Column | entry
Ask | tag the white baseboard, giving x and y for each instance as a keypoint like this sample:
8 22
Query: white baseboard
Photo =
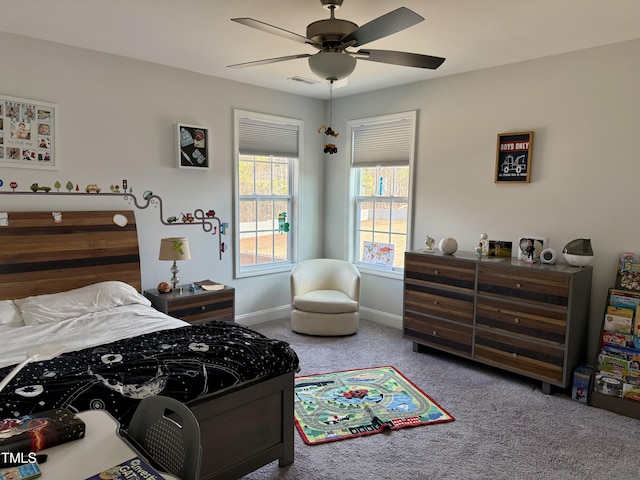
383 318
254 318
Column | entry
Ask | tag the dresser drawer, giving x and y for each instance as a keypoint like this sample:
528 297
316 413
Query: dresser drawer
440 271
452 305
200 306
530 285
525 320
536 360
441 334
203 308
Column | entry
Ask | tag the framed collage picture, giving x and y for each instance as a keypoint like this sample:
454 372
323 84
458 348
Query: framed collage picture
530 247
28 134
513 157
193 146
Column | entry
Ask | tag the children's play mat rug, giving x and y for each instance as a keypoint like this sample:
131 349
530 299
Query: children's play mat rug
352 403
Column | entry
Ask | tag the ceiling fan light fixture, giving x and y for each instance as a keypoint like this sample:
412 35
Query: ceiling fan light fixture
329 4
332 65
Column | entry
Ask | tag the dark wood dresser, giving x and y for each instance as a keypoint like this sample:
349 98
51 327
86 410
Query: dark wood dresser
531 319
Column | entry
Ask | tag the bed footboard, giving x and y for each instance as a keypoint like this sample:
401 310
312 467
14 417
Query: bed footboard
246 427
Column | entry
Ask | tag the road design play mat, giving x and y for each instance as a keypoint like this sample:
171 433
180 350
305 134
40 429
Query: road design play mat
352 403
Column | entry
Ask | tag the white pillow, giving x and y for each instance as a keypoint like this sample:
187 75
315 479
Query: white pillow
56 307
10 315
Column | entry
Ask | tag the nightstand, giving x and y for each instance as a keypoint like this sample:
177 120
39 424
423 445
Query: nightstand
197 307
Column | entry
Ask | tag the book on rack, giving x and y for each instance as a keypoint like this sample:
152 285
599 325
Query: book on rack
613 366
32 433
133 469
628 276
618 319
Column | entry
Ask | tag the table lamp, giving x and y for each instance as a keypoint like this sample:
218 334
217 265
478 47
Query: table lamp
174 248
46 351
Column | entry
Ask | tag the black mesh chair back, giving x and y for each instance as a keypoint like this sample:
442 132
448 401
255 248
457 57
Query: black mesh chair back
168 433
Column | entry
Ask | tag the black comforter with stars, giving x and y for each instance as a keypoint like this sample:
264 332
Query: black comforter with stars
184 363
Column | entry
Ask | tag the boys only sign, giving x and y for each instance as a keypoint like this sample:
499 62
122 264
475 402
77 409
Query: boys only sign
513 157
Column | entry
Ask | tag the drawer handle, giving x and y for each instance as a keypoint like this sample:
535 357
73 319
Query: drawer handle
437 272
518 285
514 354
516 320
203 307
435 333
435 302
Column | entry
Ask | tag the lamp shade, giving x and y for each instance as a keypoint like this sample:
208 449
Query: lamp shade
174 248
332 65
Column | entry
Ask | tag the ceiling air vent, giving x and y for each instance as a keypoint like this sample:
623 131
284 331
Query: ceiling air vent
306 81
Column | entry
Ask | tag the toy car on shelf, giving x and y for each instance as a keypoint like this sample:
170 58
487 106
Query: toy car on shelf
92 187
35 188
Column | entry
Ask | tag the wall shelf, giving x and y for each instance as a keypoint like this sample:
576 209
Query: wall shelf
209 222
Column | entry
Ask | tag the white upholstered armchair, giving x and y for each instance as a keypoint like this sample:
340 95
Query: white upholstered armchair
325 297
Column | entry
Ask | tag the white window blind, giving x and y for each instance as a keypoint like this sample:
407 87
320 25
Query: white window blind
385 144
264 139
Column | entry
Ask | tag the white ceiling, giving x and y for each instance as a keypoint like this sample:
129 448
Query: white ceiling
198 35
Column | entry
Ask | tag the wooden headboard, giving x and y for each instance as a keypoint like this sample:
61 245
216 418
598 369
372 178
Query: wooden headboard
39 255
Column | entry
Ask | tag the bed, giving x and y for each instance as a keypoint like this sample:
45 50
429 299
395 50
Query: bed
238 383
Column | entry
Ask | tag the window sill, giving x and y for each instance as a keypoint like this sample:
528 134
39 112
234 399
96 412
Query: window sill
380 272
264 270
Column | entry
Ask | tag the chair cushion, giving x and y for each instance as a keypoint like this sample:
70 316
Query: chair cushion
324 324
325 301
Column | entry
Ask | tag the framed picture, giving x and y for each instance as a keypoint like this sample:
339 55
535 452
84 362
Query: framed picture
513 157
530 246
193 146
500 248
28 134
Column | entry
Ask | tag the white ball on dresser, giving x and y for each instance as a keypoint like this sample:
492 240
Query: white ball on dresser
448 245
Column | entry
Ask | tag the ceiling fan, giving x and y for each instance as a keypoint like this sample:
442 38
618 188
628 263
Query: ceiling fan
333 37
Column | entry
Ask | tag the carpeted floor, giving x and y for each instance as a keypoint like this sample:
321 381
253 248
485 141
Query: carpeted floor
505 427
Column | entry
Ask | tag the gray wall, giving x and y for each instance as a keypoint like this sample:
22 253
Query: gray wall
584 108
117 120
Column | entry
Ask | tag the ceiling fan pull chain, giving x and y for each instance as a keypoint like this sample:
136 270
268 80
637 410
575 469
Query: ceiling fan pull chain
330 102
330 148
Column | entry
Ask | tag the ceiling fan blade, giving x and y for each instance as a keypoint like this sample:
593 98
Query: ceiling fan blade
405 59
266 61
380 27
281 32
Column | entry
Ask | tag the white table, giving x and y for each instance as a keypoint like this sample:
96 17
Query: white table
100 449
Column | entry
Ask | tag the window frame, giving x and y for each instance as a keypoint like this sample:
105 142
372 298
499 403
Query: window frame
241 271
355 200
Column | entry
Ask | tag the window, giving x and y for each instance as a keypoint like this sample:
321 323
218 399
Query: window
381 171
265 169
